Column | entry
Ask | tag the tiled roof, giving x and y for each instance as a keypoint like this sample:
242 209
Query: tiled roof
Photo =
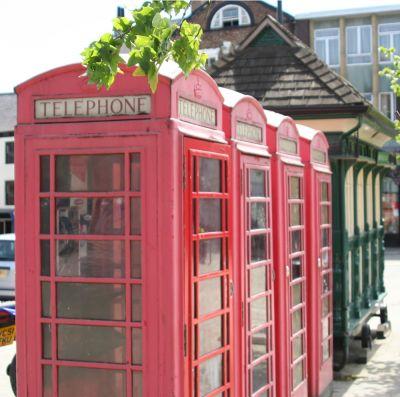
283 73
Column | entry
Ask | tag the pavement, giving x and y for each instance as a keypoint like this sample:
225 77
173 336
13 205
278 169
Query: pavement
379 378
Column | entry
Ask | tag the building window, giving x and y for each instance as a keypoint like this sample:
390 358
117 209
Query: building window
387 104
9 188
358 40
326 43
368 96
9 152
230 15
389 37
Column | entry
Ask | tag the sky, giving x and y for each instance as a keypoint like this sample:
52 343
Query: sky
39 35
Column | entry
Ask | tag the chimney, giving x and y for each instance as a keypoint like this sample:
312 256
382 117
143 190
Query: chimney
196 4
279 12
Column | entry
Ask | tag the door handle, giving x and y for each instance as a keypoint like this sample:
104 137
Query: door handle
287 271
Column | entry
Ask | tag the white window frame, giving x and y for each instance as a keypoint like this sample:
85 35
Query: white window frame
359 53
213 53
392 104
217 21
326 40
390 34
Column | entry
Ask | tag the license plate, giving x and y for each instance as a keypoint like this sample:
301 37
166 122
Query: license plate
7 335
4 273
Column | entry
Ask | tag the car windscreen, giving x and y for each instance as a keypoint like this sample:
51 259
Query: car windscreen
7 250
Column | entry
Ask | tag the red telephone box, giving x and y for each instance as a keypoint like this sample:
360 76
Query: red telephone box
314 151
124 230
289 247
245 122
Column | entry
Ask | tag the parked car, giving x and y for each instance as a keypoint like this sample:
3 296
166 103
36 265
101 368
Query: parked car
7 266
7 336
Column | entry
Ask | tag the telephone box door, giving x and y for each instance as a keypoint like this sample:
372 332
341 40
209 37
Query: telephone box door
208 270
90 301
325 280
296 282
257 277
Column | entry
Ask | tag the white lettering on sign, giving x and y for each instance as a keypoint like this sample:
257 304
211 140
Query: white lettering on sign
93 107
197 112
248 132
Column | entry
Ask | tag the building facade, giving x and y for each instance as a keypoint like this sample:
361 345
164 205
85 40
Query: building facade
348 41
8 119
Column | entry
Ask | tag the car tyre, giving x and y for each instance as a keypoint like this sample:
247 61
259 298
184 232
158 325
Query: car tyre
12 373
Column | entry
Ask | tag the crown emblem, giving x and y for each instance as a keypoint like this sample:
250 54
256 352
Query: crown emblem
198 90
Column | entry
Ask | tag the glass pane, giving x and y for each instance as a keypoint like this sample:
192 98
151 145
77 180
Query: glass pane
136 216
320 49
258 248
210 215
210 375
351 39
137 384
91 301
297 346
325 258
85 258
137 346
136 259
45 299
296 241
384 41
325 237
258 216
46 341
135 172
324 191
396 43
325 327
136 303
44 173
210 175
365 39
259 343
90 173
297 296
325 307
333 51
325 283
324 214
210 256
44 216
90 216
45 257
325 349
91 343
210 296
47 381
298 374
297 321
258 312
297 271
258 280
260 376
295 214
257 183
295 190
76 381
210 334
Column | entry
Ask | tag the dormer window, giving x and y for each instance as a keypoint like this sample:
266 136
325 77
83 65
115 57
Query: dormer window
230 15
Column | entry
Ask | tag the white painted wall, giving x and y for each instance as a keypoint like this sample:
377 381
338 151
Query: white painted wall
6 172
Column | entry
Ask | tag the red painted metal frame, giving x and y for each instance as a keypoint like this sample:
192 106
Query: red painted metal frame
194 150
284 164
317 173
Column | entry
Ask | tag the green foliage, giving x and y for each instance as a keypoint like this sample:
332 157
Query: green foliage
393 74
151 37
